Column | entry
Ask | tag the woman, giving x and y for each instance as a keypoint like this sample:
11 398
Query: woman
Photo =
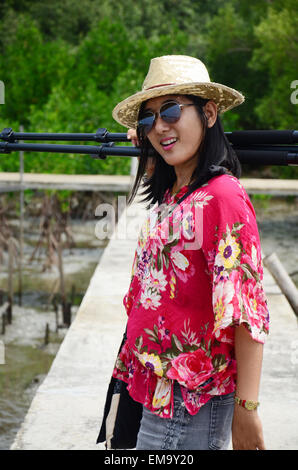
197 313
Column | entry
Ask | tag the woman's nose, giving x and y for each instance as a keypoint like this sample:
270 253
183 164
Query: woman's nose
161 125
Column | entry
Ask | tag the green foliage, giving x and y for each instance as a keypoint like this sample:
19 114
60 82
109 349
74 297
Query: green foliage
66 65
29 68
103 69
233 53
277 56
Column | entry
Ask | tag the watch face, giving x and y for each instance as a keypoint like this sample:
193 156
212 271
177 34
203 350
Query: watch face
250 405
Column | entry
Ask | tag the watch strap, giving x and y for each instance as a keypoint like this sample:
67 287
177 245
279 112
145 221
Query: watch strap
247 404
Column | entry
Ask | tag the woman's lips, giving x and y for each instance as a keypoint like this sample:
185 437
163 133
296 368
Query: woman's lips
168 144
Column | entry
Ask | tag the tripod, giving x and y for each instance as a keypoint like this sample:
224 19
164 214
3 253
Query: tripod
265 147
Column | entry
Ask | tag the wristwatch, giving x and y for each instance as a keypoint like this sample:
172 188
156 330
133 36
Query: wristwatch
247 404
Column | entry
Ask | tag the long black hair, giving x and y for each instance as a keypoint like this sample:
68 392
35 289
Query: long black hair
216 157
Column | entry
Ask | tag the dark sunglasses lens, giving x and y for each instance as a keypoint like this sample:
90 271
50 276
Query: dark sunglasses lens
170 112
145 123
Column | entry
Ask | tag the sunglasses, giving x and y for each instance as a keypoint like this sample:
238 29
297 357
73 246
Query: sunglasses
169 112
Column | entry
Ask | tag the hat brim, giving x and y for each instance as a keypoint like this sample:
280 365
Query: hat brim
126 112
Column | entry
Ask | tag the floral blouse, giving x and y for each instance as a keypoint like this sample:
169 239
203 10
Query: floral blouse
197 273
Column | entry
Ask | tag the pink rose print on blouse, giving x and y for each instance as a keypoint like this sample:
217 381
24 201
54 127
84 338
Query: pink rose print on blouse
192 370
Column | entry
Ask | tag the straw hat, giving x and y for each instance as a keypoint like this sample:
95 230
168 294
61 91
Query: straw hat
176 75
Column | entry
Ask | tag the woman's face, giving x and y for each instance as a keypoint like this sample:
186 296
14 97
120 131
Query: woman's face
178 142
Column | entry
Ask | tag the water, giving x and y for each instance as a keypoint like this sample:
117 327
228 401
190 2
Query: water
27 358
25 368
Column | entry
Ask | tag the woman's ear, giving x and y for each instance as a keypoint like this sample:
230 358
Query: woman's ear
210 110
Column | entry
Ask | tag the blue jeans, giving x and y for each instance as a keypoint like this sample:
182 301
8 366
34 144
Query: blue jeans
210 428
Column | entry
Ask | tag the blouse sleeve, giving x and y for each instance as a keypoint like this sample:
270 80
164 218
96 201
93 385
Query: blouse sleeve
232 250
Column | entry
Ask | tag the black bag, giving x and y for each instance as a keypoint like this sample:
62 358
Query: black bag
122 416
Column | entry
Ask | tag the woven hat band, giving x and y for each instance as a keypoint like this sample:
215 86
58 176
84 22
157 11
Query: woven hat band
157 86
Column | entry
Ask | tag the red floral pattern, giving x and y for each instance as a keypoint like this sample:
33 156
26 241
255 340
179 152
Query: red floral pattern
197 274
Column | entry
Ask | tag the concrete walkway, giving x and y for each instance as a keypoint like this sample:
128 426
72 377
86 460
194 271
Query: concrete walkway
66 411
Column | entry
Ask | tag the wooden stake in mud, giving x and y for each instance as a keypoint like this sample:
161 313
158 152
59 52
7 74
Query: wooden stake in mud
61 273
3 323
47 335
21 236
10 279
3 313
53 225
